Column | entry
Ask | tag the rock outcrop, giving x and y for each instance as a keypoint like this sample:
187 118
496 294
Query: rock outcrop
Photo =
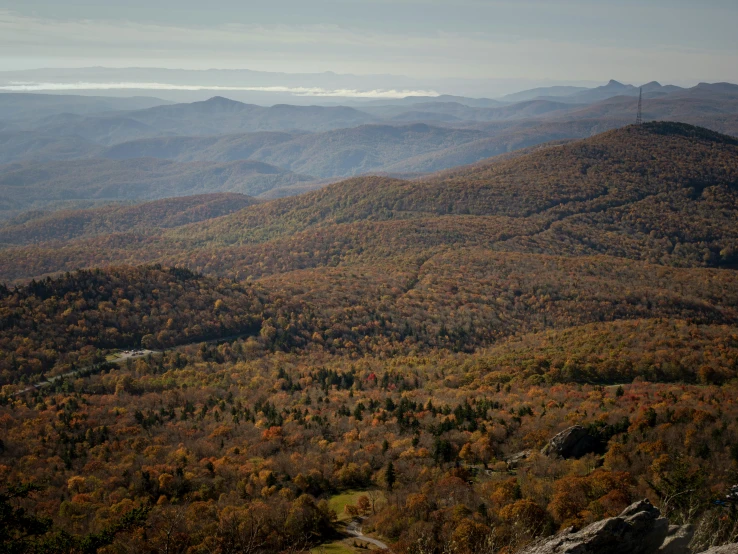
639 529
727 549
516 459
677 539
573 442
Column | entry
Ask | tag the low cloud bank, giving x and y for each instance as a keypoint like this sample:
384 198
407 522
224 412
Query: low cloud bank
296 91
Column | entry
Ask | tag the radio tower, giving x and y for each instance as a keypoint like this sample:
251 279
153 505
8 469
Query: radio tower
639 117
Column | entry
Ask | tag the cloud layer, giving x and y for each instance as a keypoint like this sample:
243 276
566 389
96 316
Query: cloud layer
296 91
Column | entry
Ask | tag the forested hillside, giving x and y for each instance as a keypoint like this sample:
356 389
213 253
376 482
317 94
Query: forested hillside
382 354
627 224
159 214
335 153
662 193
33 185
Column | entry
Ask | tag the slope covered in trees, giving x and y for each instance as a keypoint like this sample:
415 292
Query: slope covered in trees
455 261
222 445
336 153
60 324
411 345
663 193
33 185
159 214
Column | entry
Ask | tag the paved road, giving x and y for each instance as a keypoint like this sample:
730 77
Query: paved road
127 355
133 354
354 529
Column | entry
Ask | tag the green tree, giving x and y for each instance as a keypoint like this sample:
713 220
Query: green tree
17 526
22 532
389 476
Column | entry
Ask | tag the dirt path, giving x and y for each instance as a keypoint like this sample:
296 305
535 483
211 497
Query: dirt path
354 529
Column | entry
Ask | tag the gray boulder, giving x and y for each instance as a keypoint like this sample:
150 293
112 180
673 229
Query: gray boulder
639 529
516 459
573 442
677 539
726 549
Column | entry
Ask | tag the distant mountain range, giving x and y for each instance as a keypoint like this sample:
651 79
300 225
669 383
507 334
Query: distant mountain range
255 87
342 152
19 107
110 149
216 116
542 92
582 95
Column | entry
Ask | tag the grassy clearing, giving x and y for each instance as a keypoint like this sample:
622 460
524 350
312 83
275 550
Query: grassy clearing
344 547
337 547
339 502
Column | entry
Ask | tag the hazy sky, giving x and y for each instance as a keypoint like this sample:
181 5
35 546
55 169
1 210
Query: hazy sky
679 41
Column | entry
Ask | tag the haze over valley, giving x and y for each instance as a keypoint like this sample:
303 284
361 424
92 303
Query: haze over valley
309 146
418 277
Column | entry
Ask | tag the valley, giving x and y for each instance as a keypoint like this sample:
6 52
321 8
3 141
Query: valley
308 146
384 358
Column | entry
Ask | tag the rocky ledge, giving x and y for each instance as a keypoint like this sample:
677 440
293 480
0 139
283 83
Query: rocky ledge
639 529
573 442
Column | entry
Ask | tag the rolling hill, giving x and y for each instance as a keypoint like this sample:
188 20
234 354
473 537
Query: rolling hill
438 327
100 129
28 185
159 214
339 153
662 193
218 148
216 116
24 106
17 145
614 169
362 149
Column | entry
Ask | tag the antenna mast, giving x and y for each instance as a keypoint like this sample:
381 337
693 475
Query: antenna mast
639 117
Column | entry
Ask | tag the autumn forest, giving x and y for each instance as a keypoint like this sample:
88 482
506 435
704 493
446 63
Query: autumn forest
385 363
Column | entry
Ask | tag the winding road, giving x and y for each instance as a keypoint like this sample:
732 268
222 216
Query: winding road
353 528
126 355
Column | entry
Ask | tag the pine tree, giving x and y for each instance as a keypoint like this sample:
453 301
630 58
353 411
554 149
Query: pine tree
389 476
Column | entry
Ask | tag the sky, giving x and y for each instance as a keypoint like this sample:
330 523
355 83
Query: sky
674 41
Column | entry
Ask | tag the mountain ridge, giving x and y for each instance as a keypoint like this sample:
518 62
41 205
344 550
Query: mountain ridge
159 214
31 185
558 200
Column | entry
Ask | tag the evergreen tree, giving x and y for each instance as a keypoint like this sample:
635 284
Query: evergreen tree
389 476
